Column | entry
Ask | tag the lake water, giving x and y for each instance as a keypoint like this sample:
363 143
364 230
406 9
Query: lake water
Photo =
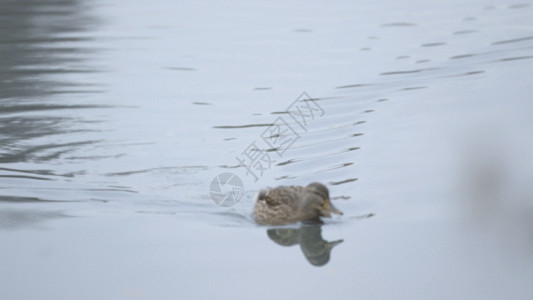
115 118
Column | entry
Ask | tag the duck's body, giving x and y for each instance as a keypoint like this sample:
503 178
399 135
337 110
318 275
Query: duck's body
290 204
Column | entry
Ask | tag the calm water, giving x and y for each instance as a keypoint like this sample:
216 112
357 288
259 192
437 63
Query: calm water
115 118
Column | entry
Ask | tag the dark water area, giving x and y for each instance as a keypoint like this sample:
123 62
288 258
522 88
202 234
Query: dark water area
115 118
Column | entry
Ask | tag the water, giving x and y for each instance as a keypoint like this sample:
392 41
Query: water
115 118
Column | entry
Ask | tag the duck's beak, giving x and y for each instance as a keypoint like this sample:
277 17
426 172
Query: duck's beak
328 208
333 209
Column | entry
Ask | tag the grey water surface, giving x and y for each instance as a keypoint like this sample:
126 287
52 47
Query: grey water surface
116 116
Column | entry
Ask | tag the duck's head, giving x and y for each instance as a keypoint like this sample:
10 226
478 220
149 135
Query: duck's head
317 200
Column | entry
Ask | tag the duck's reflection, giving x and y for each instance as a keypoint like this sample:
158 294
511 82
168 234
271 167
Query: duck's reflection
314 247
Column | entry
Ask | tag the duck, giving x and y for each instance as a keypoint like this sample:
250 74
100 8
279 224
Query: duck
291 204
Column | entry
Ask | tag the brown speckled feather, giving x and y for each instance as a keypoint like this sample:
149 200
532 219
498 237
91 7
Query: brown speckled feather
279 205
284 195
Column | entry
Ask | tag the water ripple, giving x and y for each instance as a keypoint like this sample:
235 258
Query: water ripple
517 40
